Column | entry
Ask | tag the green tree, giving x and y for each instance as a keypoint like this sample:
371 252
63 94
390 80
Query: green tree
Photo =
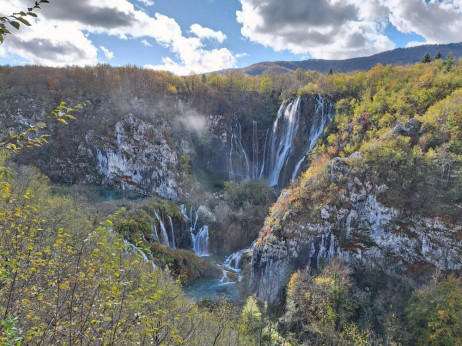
437 55
448 62
299 74
435 314
426 58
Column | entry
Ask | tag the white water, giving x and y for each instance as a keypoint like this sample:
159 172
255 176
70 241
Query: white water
254 149
239 167
172 232
232 264
286 144
282 140
201 241
135 250
163 231
200 236
323 115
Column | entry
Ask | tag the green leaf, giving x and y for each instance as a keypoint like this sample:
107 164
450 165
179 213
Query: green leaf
70 116
62 120
22 20
15 24
32 14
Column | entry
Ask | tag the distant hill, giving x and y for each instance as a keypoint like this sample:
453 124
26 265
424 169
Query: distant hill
400 56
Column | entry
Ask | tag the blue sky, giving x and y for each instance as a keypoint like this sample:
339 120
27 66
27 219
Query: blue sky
185 36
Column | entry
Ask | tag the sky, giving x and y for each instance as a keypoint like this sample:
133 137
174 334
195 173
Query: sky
198 36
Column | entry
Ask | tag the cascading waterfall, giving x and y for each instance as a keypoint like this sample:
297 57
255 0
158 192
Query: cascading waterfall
172 232
287 143
324 113
232 264
135 250
254 150
154 235
233 261
260 176
163 231
200 237
239 167
282 140
201 241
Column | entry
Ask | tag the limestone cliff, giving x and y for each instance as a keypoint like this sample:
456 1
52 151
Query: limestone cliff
356 227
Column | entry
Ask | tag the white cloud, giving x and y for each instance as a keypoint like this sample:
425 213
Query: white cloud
109 55
63 42
61 46
334 29
241 55
147 2
146 43
206 33
437 21
322 28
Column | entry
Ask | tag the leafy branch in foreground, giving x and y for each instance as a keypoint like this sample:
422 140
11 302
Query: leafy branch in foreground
29 137
16 18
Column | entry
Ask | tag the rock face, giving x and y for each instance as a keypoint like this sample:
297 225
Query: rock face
138 157
358 229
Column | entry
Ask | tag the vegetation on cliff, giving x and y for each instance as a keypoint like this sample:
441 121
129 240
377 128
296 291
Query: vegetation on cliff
405 123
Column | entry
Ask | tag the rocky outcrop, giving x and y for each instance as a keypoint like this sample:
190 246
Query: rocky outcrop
137 156
359 229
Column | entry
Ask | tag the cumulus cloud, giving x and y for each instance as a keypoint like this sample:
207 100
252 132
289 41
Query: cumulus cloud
334 29
191 51
61 46
206 33
64 42
437 21
146 2
107 53
322 28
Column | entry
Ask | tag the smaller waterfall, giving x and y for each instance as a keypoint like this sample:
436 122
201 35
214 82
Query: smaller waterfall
233 261
260 176
184 211
135 250
154 235
239 167
322 249
200 236
201 241
232 264
254 150
172 232
163 230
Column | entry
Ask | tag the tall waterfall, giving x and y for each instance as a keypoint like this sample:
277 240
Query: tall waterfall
282 141
286 143
199 236
323 114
